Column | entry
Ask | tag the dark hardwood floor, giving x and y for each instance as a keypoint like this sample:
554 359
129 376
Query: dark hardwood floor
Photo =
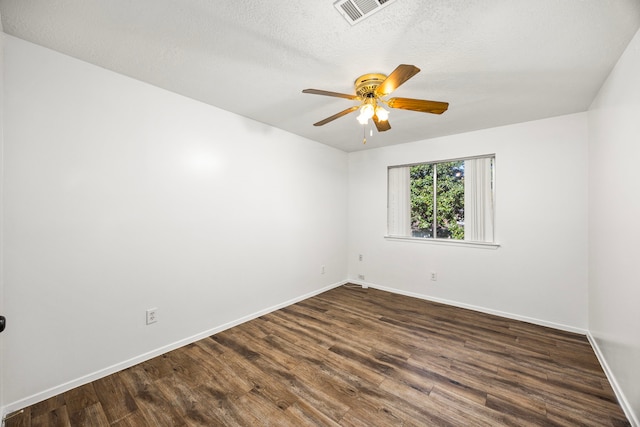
354 357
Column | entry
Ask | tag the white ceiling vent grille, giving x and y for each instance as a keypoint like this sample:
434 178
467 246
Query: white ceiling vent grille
355 11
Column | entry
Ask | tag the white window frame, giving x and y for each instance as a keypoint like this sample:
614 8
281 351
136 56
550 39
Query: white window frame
392 210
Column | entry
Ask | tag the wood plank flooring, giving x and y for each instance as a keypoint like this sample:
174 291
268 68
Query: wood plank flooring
354 357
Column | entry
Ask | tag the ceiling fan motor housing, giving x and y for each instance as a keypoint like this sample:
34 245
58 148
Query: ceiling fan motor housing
366 84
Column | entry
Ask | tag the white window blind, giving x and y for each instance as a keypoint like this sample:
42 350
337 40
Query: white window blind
399 202
478 200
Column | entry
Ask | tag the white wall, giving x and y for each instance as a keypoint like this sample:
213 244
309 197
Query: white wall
614 230
539 273
120 197
1 228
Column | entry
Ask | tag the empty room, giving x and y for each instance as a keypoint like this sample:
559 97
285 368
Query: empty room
323 213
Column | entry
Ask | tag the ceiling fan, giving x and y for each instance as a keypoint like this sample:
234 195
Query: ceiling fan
370 92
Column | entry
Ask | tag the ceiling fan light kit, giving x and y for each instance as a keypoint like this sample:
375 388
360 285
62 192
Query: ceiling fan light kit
370 91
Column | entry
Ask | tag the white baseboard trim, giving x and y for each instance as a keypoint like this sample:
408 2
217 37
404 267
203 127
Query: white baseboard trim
622 400
507 315
53 391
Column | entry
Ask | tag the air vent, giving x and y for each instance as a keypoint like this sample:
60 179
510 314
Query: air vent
355 11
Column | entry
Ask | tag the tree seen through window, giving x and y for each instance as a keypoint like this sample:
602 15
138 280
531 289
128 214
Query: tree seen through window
449 195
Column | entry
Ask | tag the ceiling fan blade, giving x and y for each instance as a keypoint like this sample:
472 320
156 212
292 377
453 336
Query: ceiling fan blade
422 105
327 93
401 74
337 116
381 125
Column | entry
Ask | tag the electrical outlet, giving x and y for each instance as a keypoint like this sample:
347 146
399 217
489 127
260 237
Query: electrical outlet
152 315
360 257
434 276
322 269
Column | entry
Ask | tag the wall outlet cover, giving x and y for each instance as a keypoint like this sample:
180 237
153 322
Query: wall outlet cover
152 315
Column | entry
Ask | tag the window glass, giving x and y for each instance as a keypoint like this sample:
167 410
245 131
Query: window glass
421 182
446 200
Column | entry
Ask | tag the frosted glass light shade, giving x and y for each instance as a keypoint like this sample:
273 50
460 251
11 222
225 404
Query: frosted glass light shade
367 111
362 119
382 114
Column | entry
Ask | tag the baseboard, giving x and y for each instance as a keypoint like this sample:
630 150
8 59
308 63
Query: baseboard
622 400
504 314
46 394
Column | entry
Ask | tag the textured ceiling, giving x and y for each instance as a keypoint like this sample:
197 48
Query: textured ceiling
496 62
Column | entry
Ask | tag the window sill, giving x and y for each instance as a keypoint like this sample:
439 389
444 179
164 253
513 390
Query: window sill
446 242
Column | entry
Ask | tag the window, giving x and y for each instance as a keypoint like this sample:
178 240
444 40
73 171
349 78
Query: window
451 200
